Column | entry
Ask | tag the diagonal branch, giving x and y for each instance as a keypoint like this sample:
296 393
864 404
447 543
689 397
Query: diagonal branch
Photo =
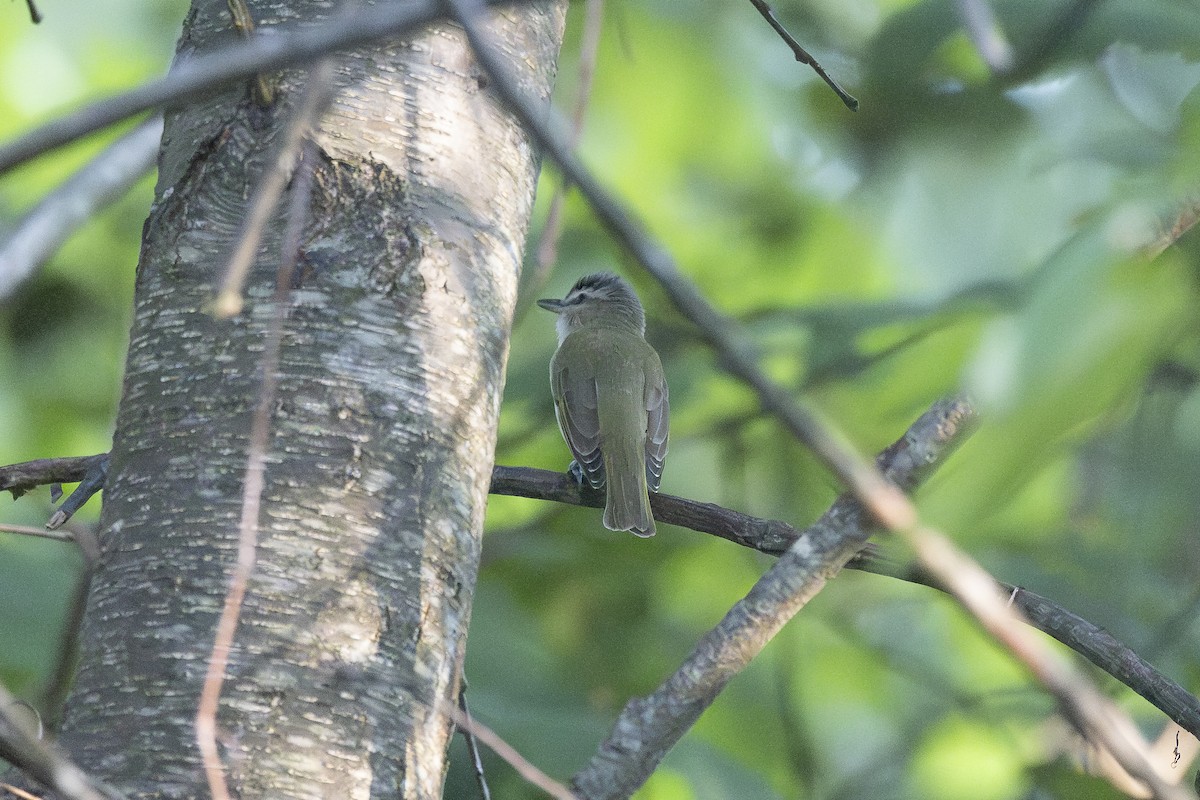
1081 703
44 762
773 537
734 353
469 725
189 79
63 210
649 727
802 55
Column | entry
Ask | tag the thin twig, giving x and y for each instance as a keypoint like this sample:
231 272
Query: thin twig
1081 703
1084 637
319 91
254 480
34 15
63 210
42 761
1185 216
18 792
62 671
25 530
507 752
473 745
802 55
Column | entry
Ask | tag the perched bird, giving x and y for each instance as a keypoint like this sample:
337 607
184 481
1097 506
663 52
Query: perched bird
610 397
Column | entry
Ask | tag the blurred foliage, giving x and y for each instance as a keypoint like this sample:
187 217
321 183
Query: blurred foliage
963 229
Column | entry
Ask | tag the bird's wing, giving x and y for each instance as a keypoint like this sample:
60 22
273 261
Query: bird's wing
576 407
658 423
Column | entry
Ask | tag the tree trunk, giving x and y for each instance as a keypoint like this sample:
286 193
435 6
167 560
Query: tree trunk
382 435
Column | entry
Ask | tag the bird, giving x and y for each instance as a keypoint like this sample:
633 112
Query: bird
610 397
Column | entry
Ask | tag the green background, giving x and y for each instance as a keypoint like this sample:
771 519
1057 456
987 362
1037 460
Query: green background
960 230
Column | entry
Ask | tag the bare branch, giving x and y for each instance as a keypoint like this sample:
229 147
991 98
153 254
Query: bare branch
283 48
1079 701
16 792
802 55
649 727
44 762
507 752
37 533
61 212
1086 638
1185 216
20 478
473 745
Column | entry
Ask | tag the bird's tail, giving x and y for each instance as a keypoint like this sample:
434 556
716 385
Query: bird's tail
628 505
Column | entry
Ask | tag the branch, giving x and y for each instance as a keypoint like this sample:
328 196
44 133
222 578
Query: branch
284 47
20 478
43 762
773 537
649 727
802 55
1086 638
473 745
52 221
522 765
1185 216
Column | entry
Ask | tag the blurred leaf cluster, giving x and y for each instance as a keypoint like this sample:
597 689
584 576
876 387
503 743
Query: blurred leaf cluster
964 229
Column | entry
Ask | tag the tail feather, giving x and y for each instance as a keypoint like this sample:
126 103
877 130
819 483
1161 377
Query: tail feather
628 504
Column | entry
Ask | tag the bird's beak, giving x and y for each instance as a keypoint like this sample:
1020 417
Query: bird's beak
551 305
